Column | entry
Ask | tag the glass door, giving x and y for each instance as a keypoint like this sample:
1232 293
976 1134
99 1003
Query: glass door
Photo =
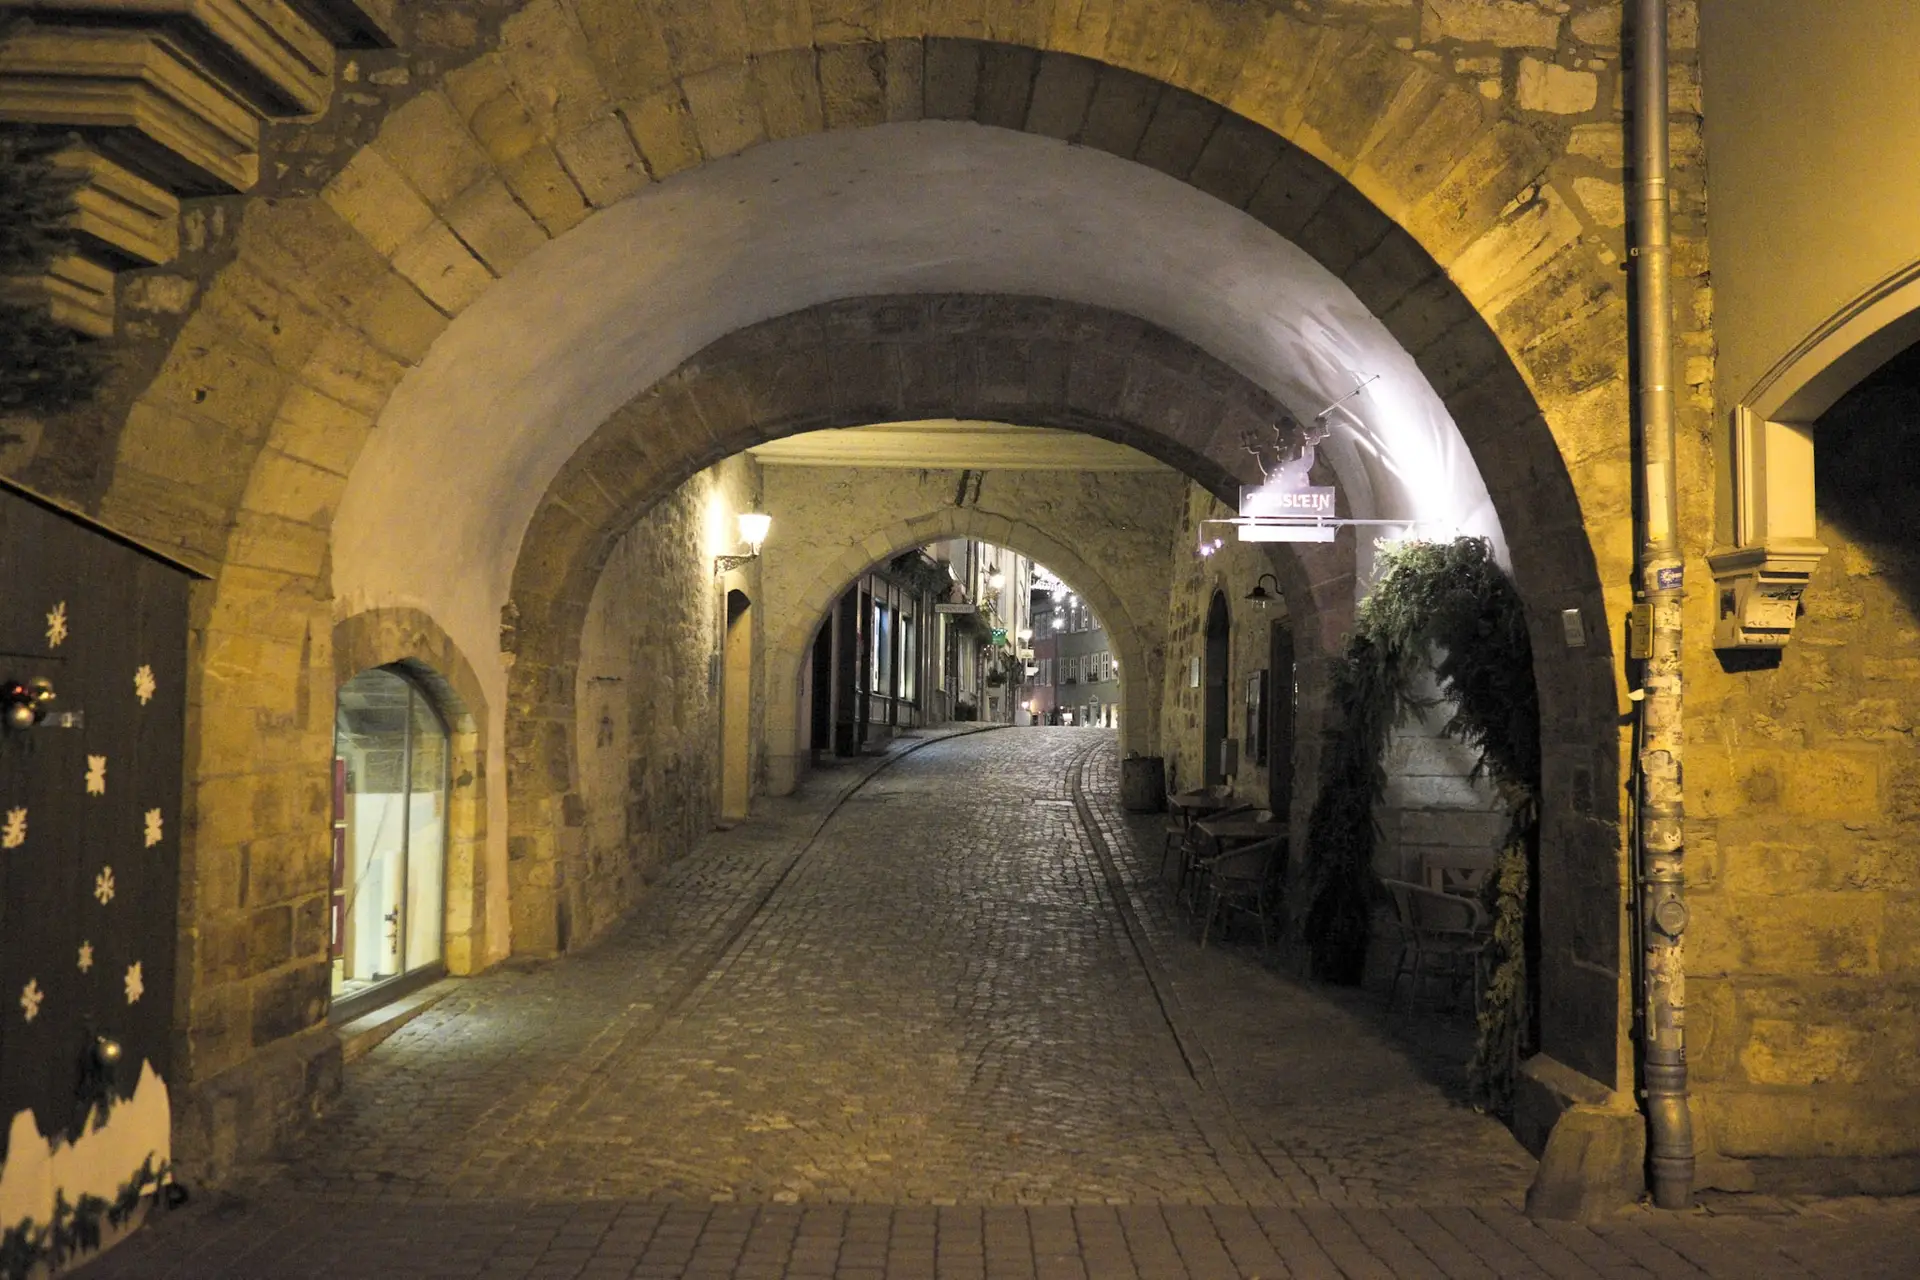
391 758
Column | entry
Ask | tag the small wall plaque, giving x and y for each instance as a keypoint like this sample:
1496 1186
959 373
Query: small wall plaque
1574 628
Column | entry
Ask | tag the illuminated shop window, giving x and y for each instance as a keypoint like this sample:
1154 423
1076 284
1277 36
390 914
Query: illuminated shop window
390 782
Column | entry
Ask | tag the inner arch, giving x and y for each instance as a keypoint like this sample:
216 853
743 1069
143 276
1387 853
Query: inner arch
789 646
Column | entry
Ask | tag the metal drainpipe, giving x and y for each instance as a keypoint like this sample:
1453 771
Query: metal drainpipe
1662 896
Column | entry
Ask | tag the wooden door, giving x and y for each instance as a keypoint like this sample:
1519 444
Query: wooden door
89 819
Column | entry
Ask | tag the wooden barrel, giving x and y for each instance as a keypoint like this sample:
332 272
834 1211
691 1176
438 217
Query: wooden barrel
1143 784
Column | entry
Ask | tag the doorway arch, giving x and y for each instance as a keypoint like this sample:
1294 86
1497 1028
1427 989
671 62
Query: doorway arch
1214 704
736 706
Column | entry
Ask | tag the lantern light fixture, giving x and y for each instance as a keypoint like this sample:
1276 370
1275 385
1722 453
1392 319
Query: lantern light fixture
1260 597
753 526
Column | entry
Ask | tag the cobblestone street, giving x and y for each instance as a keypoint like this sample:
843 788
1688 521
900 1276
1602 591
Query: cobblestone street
940 1023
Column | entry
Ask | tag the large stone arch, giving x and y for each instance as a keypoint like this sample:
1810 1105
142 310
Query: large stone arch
1321 129
1031 361
1133 638
1454 220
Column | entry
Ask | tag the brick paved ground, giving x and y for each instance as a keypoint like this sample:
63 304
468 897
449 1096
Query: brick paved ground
950 1027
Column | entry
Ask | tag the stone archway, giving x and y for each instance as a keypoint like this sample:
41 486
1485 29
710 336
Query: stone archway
1029 360
1136 641
736 706
1486 267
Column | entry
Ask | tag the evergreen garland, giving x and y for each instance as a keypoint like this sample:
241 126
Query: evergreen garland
28 1247
45 367
1448 606
924 575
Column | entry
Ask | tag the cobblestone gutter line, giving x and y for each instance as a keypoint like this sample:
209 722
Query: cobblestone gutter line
1123 903
1212 1108
707 958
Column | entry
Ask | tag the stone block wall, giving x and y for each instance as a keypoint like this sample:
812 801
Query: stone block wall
1803 872
1233 570
648 699
1433 804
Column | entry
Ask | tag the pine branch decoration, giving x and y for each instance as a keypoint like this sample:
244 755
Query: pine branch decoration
45 367
1448 606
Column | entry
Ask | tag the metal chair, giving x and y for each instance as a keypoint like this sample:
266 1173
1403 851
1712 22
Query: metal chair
1196 851
1180 818
1247 881
1179 828
1439 932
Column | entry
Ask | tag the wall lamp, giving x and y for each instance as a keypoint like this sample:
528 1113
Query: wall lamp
1260 597
753 531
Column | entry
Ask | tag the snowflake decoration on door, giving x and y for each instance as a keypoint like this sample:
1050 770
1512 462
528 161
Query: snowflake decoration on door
96 775
86 956
136 984
153 827
14 833
57 625
143 685
103 886
30 997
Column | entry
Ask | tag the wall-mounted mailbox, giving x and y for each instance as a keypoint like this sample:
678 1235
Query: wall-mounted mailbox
1760 576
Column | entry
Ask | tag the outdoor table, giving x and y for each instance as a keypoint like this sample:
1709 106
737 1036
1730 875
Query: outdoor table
1188 804
1184 809
1238 829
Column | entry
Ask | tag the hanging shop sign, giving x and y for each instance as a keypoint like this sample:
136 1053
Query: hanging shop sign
1286 506
956 608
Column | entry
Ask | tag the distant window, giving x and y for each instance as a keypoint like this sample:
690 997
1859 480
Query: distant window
909 657
882 648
